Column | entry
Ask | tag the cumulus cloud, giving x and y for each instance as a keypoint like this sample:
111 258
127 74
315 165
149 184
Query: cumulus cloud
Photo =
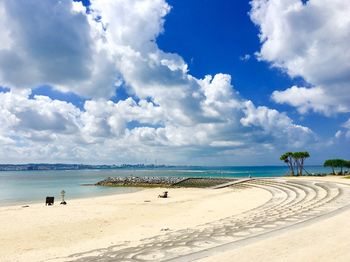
310 40
342 135
33 126
274 123
307 99
169 115
346 125
58 47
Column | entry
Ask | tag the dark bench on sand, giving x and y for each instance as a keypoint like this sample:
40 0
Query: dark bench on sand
49 201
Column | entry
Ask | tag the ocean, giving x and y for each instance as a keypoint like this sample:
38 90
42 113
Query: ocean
24 187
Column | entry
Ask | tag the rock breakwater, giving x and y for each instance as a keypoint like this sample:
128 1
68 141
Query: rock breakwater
156 181
135 181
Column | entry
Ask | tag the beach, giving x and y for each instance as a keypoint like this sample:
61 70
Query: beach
322 240
174 131
87 228
39 232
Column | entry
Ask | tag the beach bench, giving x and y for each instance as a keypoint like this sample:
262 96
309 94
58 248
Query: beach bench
49 201
164 195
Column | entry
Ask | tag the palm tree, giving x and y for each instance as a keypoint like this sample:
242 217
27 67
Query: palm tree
347 165
299 158
340 163
295 160
330 163
288 159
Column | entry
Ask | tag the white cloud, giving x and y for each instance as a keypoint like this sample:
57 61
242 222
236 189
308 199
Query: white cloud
306 99
224 143
40 113
58 47
338 134
245 57
274 123
309 40
131 23
341 137
346 125
171 115
37 126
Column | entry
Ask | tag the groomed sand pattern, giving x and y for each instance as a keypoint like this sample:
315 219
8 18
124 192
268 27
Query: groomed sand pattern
291 203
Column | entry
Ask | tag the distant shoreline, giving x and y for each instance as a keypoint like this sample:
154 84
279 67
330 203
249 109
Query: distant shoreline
63 166
45 167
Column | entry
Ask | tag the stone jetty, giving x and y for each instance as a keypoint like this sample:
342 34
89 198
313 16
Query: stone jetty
156 181
135 181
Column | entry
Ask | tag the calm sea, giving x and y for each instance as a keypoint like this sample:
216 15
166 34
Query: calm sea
23 187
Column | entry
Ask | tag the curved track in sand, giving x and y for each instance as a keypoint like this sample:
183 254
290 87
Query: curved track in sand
291 203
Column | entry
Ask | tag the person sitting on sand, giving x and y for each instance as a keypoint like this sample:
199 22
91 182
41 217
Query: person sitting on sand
165 195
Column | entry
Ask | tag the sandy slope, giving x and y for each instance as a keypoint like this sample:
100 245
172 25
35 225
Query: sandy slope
40 233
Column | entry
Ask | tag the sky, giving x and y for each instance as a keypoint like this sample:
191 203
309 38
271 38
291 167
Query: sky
198 82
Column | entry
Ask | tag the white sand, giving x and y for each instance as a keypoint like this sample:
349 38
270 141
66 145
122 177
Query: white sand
40 233
325 240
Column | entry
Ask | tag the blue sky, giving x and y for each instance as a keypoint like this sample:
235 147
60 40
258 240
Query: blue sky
213 37
184 81
232 35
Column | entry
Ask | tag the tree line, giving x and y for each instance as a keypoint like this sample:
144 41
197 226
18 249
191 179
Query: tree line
337 163
296 160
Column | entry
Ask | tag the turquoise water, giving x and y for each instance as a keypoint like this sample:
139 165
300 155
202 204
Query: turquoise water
23 187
